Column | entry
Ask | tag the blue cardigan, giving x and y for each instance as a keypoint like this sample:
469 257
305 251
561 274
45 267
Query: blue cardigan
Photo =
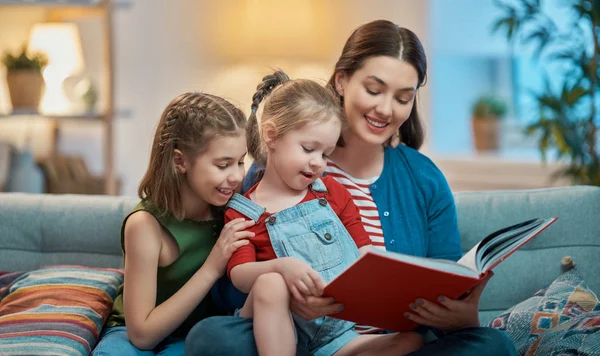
415 204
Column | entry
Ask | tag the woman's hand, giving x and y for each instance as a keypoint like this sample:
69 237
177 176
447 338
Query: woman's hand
300 278
452 314
232 237
315 307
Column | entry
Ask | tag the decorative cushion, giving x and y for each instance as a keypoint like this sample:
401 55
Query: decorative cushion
55 310
579 336
568 297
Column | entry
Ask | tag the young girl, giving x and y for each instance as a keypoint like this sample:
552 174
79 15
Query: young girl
172 254
307 229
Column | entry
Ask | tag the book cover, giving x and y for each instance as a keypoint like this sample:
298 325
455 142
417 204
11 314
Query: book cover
377 289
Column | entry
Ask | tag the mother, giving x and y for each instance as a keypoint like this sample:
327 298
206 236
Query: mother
405 201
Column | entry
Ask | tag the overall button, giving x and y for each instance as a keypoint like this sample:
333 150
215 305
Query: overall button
386 213
374 186
271 220
323 202
392 242
327 236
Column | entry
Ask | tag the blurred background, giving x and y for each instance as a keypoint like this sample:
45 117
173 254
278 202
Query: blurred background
110 68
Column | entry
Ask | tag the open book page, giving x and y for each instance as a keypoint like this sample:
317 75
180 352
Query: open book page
469 259
489 245
431 263
501 251
501 243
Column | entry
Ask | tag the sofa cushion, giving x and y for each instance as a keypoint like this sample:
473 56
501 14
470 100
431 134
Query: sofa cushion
579 336
567 298
55 310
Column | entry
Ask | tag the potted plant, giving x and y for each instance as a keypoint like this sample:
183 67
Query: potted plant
566 118
487 112
24 78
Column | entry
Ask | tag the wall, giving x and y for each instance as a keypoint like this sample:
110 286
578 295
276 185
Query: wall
165 50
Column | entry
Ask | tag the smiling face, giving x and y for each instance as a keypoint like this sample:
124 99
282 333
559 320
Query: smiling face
300 156
378 97
214 174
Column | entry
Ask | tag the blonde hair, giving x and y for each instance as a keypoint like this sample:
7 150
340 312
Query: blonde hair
289 105
188 123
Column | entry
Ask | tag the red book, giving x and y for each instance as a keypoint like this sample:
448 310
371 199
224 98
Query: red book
378 287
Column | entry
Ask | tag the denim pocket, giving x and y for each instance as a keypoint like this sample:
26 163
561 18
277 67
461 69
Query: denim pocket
322 248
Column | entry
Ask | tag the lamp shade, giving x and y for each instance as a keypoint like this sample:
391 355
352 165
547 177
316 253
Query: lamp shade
61 43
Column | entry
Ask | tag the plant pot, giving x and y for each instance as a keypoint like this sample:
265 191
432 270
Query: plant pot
486 134
25 88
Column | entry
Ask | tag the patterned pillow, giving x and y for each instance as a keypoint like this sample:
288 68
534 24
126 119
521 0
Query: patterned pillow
566 298
55 310
579 336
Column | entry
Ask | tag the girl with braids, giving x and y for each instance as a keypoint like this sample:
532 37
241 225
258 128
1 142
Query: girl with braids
307 230
174 241
404 199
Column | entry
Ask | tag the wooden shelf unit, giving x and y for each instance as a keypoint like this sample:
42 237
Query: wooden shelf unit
65 10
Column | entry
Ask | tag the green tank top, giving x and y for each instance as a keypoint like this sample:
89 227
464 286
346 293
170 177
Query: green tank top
195 239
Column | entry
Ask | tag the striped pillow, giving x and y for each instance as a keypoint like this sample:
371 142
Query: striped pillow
55 310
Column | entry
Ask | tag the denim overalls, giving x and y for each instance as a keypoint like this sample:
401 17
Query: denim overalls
313 233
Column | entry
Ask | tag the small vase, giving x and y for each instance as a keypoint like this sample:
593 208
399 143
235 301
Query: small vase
486 134
25 88
25 175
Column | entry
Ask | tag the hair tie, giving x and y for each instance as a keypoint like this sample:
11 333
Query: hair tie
253 111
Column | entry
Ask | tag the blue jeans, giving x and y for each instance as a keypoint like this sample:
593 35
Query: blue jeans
230 335
114 341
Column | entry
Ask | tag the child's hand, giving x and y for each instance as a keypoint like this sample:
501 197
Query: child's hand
232 237
315 307
301 279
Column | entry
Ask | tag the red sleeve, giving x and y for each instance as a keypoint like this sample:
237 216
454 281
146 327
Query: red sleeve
244 254
341 201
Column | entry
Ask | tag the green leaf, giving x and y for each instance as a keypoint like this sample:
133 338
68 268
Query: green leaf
509 24
543 144
559 139
550 102
540 35
25 61
572 96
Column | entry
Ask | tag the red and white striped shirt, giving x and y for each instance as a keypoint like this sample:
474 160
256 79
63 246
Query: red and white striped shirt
361 195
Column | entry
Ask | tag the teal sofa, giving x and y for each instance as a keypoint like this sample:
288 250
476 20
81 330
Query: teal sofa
40 230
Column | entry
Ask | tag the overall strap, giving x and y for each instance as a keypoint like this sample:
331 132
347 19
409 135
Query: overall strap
318 186
245 206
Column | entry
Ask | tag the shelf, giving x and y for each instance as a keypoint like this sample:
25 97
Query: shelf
87 3
93 116
78 7
83 117
68 10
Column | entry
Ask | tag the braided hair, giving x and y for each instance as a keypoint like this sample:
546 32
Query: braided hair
188 124
288 105
269 82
